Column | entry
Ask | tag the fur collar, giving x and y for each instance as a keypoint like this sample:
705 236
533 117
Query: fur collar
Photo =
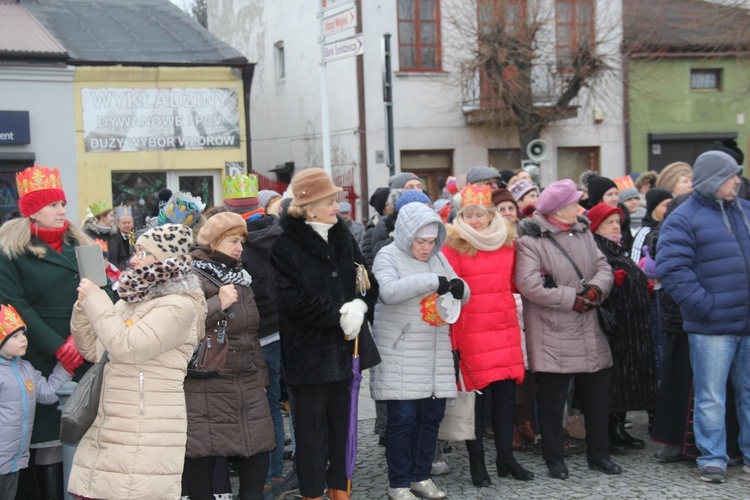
297 229
536 229
182 284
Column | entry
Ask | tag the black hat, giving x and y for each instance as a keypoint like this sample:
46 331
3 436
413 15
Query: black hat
164 197
729 146
505 177
597 187
379 199
654 196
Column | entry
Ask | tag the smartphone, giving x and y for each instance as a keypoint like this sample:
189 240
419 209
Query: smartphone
91 263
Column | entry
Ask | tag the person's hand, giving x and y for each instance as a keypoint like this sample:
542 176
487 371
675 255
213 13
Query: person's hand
582 305
444 286
86 288
227 296
620 275
352 317
457 288
592 293
68 355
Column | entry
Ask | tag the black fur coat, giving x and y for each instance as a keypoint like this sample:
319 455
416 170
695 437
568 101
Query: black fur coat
313 280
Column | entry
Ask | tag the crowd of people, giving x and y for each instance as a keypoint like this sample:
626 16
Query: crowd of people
562 308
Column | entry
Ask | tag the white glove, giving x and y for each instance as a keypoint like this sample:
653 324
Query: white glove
352 317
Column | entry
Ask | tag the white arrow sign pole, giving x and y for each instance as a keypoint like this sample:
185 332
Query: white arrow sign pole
326 133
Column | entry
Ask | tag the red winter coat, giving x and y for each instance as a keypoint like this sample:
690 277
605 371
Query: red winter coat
486 334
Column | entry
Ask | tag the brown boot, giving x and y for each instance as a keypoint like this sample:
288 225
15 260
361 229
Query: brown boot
337 494
519 443
527 430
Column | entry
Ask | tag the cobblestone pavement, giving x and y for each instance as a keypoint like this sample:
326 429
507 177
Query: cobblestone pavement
643 476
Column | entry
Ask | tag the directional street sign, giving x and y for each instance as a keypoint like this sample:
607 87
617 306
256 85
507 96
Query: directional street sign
340 21
340 49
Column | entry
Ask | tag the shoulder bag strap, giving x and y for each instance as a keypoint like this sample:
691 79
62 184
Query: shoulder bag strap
565 254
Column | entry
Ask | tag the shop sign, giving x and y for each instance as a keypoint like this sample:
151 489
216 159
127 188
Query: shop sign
14 127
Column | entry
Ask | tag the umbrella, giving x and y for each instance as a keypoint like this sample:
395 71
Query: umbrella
351 440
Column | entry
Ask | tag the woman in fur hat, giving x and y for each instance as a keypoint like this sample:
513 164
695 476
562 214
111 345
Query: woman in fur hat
38 277
228 414
320 316
487 335
136 446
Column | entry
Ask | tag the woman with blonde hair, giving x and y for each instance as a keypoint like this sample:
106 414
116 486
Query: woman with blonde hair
320 315
487 336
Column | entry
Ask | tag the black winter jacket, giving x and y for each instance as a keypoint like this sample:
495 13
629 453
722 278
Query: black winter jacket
256 257
313 280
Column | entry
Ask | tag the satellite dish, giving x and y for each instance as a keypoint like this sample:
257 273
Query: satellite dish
537 150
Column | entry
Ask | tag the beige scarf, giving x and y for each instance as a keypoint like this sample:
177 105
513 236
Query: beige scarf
489 240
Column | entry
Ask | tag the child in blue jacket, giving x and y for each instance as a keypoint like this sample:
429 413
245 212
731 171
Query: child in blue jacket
21 386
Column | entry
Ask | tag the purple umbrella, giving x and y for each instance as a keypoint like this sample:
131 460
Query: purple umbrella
351 440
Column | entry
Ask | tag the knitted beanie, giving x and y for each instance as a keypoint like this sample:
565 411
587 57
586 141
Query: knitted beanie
597 187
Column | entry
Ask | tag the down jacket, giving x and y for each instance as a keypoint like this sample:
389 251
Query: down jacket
703 261
313 280
21 387
228 415
559 339
486 335
136 447
417 361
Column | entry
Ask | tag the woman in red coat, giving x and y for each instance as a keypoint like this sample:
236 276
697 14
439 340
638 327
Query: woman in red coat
487 336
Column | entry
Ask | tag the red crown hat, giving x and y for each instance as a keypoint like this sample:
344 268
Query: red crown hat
476 195
103 244
38 186
10 322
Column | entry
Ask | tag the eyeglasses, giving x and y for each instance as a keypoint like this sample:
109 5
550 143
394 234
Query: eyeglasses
143 254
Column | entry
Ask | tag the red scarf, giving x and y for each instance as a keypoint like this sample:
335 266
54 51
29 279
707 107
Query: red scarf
52 237
559 224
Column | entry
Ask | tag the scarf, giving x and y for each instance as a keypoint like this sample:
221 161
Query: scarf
135 284
220 271
490 239
558 223
52 237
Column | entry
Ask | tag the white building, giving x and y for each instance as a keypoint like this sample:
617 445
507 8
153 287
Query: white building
432 107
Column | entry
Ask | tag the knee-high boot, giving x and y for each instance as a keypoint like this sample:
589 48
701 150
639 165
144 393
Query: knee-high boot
49 480
507 464
477 468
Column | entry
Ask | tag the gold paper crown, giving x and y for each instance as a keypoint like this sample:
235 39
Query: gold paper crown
476 195
124 211
37 178
10 321
240 186
100 207
103 244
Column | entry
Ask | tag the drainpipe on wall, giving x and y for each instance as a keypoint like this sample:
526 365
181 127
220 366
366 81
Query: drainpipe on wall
247 79
362 123
626 112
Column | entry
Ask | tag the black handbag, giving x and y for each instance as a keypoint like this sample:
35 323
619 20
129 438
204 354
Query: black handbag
607 320
210 354
82 406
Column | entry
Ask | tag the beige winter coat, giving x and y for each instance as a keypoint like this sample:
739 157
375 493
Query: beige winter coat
559 339
136 447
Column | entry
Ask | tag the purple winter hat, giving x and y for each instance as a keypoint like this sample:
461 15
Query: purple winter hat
557 195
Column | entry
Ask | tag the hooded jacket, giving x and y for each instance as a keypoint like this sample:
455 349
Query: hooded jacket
486 335
256 257
135 448
703 261
417 361
314 278
559 339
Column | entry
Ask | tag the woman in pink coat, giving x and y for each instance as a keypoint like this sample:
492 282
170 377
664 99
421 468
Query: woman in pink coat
487 336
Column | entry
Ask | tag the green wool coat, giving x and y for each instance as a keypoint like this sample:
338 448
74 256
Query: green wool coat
43 292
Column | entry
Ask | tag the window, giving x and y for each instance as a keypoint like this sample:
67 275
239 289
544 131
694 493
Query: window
432 167
505 159
509 13
574 29
572 162
419 35
279 61
705 79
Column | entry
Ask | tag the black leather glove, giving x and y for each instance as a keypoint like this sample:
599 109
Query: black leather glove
444 285
457 288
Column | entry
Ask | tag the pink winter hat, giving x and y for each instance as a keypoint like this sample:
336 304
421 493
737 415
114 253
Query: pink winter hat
557 195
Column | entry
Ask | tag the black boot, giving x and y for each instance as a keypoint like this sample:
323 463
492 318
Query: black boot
477 468
49 480
615 447
623 438
507 464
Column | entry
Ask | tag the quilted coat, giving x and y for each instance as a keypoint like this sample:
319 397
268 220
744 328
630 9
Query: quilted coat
486 335
228 415
703 261
136 447
417 361
314 278
559 339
